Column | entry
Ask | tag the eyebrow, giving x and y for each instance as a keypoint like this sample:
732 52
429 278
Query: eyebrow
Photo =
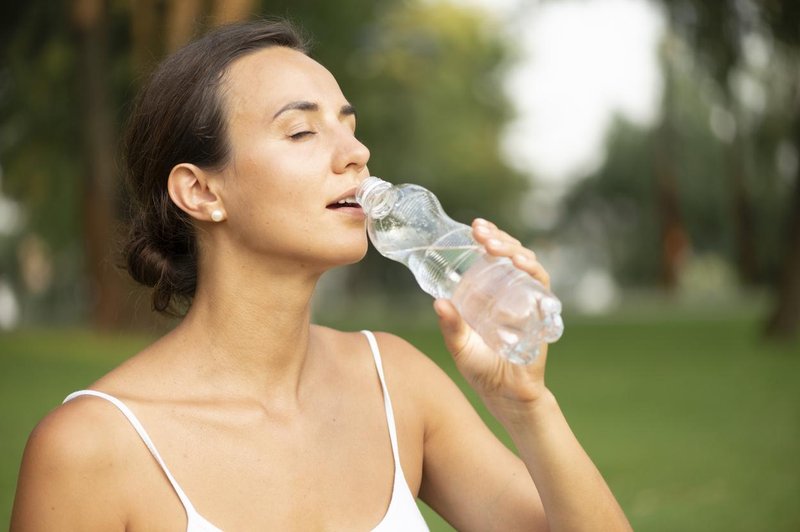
346 110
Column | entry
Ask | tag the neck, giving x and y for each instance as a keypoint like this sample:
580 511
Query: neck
251 329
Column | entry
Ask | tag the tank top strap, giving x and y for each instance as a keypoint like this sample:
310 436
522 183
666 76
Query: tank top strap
402 513
134 421
387 401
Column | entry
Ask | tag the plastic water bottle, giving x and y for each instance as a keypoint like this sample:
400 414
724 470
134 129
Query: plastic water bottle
508 308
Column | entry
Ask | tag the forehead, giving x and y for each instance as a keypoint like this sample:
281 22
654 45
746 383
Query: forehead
268 79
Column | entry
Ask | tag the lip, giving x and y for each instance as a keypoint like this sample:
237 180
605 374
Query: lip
356 213
350 193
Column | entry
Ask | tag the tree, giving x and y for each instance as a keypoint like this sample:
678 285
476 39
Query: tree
658 198
715 31
39 140
718 33
674 238
782 17
90 22
67 83
424 77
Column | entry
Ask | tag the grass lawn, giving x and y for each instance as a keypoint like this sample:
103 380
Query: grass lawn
694 423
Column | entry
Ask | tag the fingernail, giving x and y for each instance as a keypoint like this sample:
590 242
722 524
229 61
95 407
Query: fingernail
482 230
494 243
521 258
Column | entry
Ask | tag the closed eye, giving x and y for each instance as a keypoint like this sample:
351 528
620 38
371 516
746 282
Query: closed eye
301 135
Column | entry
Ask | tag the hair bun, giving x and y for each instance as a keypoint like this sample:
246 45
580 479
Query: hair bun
169 271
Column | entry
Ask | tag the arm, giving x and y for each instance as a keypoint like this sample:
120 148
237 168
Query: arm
65 478
565 485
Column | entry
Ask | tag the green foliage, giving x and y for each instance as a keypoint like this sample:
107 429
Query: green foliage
424 78
619 201
617 206
430 78
39 133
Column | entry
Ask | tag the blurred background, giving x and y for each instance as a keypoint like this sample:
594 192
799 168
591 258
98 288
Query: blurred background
648 150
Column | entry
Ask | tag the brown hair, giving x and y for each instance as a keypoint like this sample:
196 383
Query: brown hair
178 118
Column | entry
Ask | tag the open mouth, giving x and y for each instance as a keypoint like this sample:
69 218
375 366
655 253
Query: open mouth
344 203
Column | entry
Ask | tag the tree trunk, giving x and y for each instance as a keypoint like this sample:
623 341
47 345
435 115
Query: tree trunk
183 19
228 11
674 238
144 33
90 22
744 223
784 320
106 289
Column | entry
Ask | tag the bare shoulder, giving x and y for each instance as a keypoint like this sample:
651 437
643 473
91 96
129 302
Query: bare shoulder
395 351
73 434
401 356
413 374
70 467
407 370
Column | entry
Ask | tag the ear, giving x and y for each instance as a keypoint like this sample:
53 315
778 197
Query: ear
188 186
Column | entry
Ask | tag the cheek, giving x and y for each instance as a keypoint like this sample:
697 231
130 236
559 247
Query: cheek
275 187
277 168
256 178
274 203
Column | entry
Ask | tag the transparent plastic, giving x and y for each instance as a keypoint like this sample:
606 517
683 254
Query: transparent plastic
508 308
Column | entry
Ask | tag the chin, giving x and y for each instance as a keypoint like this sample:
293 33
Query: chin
349 253
356 256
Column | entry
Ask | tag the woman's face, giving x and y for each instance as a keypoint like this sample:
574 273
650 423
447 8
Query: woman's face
294 158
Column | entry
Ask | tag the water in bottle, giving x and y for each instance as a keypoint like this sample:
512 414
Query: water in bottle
508 308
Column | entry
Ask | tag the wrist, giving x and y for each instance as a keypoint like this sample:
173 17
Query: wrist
522 412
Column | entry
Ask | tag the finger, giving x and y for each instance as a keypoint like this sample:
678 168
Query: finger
501 248
454 329
523 258
528 263
481 230
483 222
501 244
484 230
508 239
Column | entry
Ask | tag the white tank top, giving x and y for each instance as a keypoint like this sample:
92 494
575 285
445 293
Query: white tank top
403 515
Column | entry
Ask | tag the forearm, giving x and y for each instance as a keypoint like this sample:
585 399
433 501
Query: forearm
574 494
572 491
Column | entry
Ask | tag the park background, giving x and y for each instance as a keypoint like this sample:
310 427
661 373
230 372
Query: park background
670 222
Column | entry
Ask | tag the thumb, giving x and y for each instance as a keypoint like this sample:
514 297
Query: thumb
455 330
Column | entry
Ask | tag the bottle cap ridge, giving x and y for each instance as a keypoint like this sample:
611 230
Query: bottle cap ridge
368 195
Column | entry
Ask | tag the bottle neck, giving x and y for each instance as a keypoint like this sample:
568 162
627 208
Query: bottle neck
376 197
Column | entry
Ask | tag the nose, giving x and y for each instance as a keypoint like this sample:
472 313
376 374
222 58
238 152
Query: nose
351 154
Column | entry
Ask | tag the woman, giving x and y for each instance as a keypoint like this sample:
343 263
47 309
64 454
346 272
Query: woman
240 152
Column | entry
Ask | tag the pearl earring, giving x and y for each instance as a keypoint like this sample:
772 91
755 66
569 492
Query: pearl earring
216 215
